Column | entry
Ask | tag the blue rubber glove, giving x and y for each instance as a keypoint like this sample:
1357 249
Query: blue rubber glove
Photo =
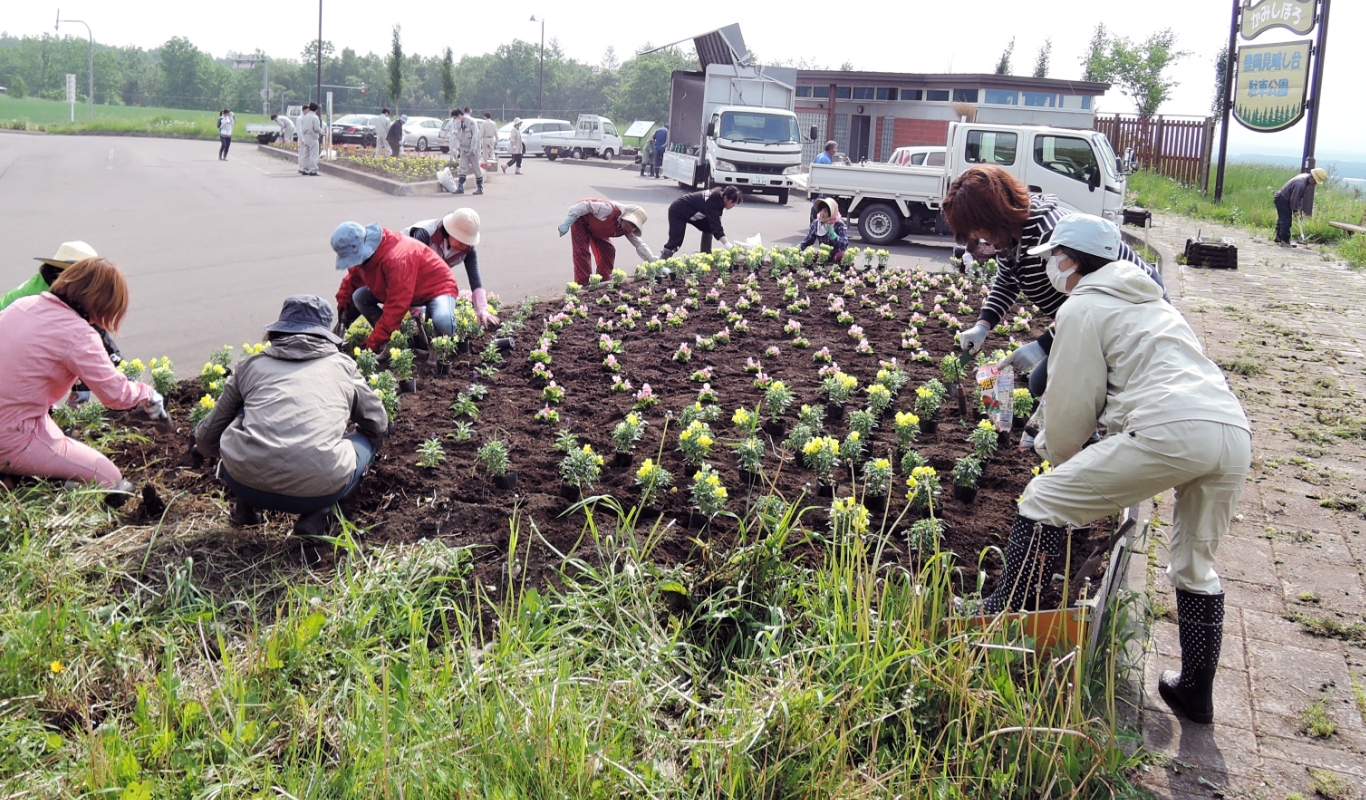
564 226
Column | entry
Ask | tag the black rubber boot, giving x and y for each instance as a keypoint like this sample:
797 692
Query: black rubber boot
479 186
459 187
1190 692
243 515
315 525
1033 553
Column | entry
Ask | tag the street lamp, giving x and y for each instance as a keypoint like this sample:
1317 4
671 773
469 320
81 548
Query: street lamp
540 89
91 69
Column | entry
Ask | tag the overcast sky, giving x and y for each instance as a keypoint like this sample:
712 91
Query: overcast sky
956 36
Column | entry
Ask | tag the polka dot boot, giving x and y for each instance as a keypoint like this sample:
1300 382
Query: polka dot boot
1033 553
1190 692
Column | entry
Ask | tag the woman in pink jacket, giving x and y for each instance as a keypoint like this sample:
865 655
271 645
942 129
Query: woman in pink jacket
46 345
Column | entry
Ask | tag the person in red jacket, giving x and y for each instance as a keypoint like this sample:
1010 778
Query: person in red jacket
593 222
388 274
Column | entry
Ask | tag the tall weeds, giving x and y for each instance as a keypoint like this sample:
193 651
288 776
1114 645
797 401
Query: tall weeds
744 674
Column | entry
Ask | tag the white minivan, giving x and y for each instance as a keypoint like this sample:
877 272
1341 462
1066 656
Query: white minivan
532 131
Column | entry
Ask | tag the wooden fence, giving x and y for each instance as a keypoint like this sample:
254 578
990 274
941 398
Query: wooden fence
1177 148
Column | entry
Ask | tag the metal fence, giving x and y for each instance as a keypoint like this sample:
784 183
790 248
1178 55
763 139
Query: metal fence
1179 148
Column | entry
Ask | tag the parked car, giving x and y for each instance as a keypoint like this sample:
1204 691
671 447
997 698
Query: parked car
423 134
354 129
532 131
918 156
592 136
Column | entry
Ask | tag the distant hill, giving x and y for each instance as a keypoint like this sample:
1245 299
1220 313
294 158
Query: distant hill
1343 169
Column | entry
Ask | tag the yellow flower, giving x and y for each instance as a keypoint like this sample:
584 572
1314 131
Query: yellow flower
56 667
647 469
219 370
986 425
704 440
905 419
921 391
742 417
853 436
881 463
632 418
356 351
588 448
1021 393
206 401
714 479
811 446
720 493
920 473
394 352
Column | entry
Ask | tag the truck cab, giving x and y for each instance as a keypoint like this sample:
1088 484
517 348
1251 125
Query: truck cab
1076 165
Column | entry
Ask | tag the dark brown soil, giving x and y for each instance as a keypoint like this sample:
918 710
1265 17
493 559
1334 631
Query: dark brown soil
457 502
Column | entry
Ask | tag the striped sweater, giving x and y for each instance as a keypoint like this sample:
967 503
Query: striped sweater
1020 272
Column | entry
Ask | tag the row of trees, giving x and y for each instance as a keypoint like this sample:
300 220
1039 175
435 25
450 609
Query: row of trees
179 75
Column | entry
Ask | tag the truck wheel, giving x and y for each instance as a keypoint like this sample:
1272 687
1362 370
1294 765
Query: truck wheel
607 154
879 224
576 154
551 155
687 187
782 197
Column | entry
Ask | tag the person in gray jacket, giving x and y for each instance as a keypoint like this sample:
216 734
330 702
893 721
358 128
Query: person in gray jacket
280 426
382 124
310 139
465 151
1290 201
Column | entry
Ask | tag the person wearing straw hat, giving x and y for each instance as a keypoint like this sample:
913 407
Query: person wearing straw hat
1294 199
592 223
388 274
279 428
1127 360
51 344
67 254
453 238
515 147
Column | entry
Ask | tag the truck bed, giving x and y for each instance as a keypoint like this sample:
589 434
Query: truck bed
889 181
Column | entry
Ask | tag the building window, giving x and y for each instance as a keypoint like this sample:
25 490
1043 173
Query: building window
1086 102
964 95
863 93
1002 98
1040 99
937 95
911 94
886 94
991 147
803 91
842 92
1074 101
821 92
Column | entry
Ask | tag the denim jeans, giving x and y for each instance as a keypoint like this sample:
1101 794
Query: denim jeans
440 309
256 498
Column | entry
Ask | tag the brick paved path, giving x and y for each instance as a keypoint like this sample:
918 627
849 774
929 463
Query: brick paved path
1289 328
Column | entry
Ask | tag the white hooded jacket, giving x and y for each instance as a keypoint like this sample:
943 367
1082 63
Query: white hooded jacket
1125 358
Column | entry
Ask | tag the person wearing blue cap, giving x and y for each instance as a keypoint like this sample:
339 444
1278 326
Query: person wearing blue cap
1127 360
387 275
279 429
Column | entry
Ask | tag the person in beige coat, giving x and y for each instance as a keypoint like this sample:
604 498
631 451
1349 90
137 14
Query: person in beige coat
280 426
488 139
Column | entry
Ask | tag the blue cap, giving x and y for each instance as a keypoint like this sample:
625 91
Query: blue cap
355 244
305 313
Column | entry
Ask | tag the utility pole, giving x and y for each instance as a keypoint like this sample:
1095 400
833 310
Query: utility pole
540 89
90 71
320 50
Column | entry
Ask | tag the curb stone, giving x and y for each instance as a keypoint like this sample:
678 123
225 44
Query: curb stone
397 188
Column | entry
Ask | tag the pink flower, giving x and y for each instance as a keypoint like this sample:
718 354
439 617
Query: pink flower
855 331
773 351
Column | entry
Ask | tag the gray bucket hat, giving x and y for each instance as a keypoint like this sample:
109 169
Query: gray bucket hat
354 244
305 313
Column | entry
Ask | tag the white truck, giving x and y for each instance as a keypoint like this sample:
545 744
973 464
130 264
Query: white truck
890 201
733 125
592 136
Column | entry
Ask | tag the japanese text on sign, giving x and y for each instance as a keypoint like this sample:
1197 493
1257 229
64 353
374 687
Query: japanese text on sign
1297 15
1271 85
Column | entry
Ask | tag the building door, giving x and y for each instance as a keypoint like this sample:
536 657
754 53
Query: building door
860 127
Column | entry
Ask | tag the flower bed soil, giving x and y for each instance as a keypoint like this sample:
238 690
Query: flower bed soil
458 503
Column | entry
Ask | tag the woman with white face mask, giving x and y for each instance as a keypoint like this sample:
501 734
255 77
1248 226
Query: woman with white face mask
993 216
1125 359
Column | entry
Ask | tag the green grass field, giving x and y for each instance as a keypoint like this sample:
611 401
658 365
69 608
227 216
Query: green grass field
31 113
1247 203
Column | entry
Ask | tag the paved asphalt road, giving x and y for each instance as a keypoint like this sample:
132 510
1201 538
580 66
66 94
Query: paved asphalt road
212 247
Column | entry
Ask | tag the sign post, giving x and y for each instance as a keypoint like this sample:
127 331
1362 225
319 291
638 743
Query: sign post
71 94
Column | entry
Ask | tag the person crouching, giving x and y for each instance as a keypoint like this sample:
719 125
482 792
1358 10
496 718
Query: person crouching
49 343
279 429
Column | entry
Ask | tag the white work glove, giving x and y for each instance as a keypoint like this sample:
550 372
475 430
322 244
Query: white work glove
1025 358
971 339
481 308
155 406
564 226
